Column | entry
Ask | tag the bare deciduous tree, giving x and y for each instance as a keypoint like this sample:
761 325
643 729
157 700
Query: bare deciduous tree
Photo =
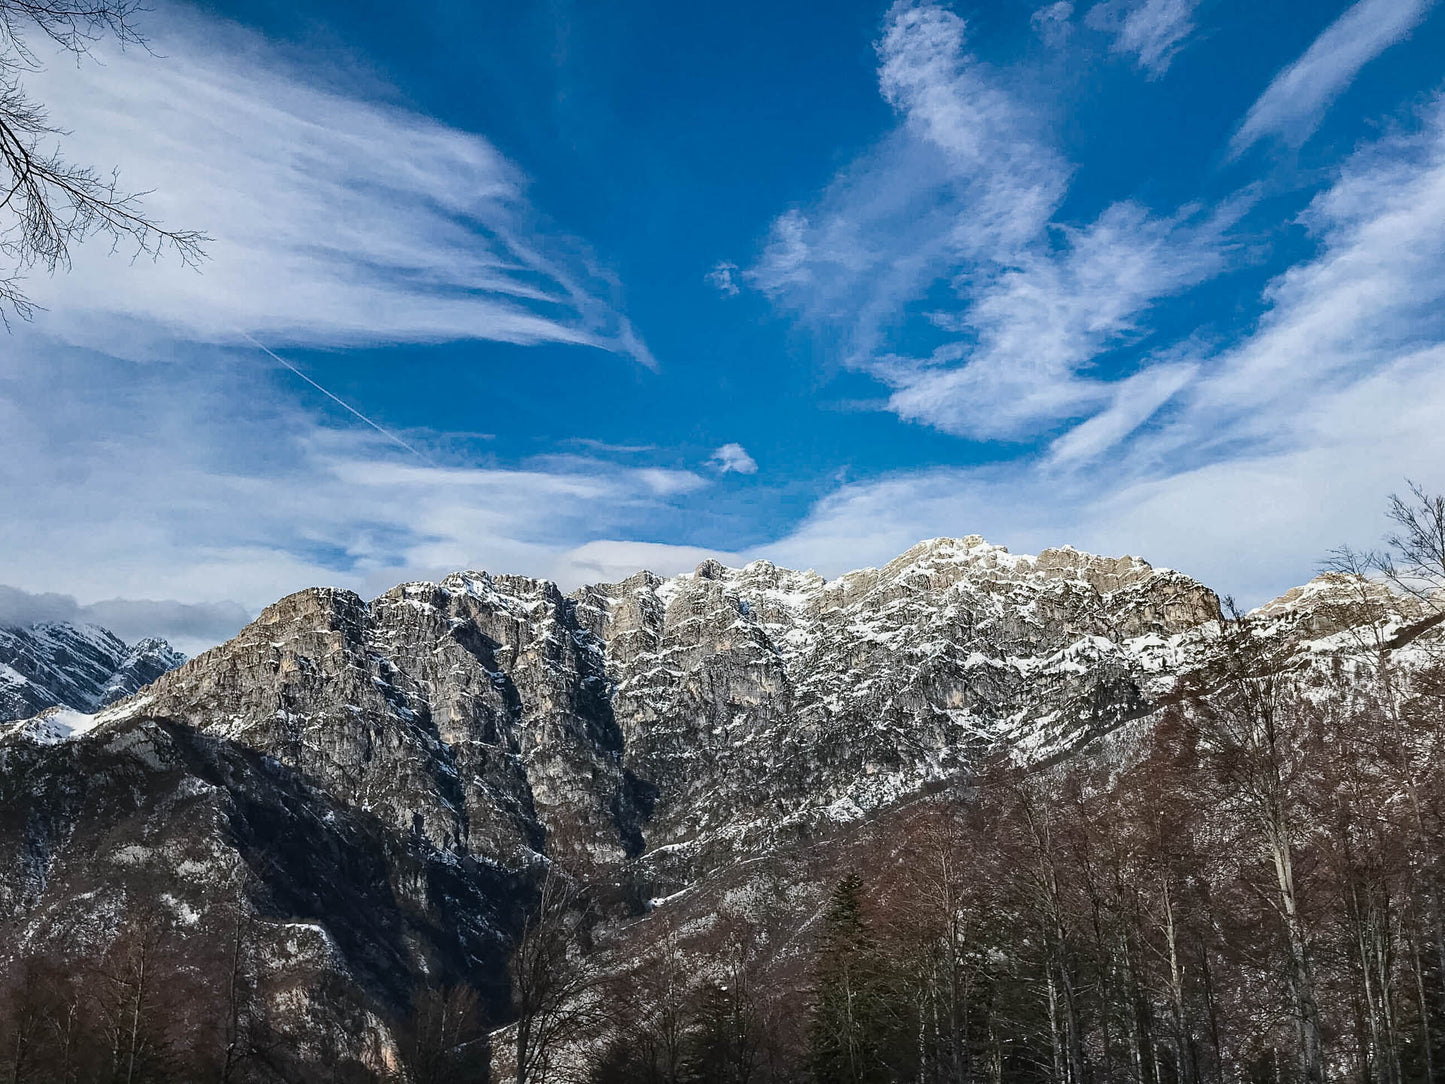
445 1039
551 977
1418 539
1250 723
48 203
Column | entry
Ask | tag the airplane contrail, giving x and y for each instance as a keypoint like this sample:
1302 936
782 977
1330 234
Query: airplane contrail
336 399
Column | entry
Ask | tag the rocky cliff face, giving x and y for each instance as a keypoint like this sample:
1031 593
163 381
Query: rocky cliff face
83 667
344 916
672 721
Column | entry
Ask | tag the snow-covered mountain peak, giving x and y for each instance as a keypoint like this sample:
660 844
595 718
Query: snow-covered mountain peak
76 666
411 756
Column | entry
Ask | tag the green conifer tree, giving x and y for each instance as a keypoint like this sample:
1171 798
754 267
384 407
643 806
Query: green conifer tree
848 1028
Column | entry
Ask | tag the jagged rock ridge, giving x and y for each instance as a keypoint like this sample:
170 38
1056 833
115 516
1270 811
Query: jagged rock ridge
412 756
675 720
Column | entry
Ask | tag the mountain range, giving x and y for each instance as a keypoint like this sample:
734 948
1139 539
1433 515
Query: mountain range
379 786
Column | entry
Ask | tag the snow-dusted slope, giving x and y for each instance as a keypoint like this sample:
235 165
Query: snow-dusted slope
761 697
83 667
678 720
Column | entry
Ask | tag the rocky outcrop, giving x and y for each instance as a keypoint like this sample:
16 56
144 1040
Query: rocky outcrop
346 914
377 785
667 723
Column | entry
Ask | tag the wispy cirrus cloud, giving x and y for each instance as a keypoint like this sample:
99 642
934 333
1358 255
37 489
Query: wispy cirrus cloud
955 210
1036 327
1267 450
201 479
1131 402
1252 524
336 219
948 261
1151 31
160 455
968 176
1052 22
1292 105
1374 291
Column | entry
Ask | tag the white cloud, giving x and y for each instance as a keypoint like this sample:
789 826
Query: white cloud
190 626
1037 326
594 445
733 457
335 219
1294 102
1237 463
1252 525
202 484
967 177
1134 401
157 463
199 479
609 560
1152 31
205 484
1010 178
668 483
724 277
961 200
1267 453
1052 22
1375 290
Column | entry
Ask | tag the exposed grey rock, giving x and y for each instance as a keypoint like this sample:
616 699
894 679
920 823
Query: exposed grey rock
145 661
672 721
348 914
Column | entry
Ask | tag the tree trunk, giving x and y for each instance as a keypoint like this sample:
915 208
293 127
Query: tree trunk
1302 981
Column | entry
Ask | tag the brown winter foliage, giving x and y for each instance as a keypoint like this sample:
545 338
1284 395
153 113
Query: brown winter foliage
1246 887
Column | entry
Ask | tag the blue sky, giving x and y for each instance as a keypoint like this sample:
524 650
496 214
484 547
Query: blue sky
572 289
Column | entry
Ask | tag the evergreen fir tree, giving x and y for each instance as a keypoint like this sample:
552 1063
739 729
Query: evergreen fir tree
724 1042
847 1034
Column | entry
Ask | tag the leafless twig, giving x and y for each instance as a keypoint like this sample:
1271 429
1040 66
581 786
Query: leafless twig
47 203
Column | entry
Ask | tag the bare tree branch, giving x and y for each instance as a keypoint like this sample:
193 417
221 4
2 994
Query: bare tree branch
47 204
1418 542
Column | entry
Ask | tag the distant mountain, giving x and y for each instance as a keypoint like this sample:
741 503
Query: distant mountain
82 667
